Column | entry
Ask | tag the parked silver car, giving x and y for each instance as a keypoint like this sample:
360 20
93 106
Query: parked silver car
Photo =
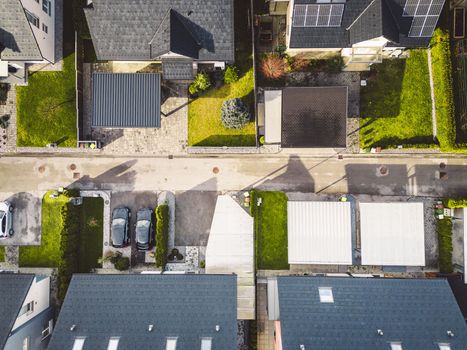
6 220
119 228
144 229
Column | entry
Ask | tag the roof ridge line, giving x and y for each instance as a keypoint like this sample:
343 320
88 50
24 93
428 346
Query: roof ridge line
361 14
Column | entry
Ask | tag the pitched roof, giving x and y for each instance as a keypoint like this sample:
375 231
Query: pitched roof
184 306
13 291
16 35
362 20
147 29
416 312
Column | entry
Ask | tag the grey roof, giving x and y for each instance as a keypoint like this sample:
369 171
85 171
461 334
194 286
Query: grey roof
361 20
177 69
13 291
16 35
185 306
147 29
126 100
418 313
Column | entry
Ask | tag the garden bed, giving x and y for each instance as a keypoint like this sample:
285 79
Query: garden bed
91 234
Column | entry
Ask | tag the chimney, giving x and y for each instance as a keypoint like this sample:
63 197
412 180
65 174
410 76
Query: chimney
380 332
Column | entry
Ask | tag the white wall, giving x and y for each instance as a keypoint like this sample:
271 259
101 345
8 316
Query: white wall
46 41
39 292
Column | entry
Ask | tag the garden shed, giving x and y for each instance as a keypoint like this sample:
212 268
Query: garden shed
392 234
319 233
230 250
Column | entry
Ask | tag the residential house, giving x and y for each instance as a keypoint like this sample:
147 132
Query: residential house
148 311
362 30
178 33
332 313
27 35
26 313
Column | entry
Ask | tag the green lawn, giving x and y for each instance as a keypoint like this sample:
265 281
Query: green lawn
270 230
91 233
46 111
395 107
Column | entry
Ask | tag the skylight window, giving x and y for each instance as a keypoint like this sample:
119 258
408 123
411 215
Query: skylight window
206 343
78 343
396 346
325 295
171 344
113 343
444 346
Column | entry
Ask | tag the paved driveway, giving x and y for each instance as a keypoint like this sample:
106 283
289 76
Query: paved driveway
27 217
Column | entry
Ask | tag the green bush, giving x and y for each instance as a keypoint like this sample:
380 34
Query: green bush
231 75
442 80
162 232
234 114
201 83
455 203
122 263
445 245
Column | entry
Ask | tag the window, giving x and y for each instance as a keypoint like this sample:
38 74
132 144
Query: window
26 343
78 343
171 344
48 329
32 18
45 29
47 7
113 343
396 346
325 295
444 346
26 309
206 343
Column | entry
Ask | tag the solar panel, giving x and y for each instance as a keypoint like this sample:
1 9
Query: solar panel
417 26
425 16
410 8
318 15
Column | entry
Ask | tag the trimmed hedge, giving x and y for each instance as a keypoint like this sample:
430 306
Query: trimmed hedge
162 232
455 203
442 79
445 245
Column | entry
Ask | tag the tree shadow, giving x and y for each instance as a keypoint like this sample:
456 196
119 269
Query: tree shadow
248 140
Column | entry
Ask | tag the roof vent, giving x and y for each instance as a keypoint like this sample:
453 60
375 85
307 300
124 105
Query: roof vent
380 332
190 13
218 328
73 327
150 327
450 334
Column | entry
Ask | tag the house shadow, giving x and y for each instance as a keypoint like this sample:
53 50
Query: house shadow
8 41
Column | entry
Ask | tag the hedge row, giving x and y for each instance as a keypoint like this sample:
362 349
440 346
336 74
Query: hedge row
162 232
455 203
442 80
445 245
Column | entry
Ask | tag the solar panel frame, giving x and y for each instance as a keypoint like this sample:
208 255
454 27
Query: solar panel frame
299 15
318 15
311 16
417 26
410 8
425 17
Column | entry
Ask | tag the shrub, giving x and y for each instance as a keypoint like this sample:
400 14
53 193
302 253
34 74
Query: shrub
442 79
162 232
299 63
200 83
122 263
273 66
231 75
445 245
455 203
234 114
261 139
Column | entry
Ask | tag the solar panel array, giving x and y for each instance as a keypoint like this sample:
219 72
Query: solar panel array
318 15
425 15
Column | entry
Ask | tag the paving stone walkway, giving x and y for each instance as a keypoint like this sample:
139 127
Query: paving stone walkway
8 135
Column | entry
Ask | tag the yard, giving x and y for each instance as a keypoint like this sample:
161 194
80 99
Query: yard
46 111
270 230
204 113
395 106
91 233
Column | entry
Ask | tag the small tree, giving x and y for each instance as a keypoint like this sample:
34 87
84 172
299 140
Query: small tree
273 66
231 75
234 114
200 83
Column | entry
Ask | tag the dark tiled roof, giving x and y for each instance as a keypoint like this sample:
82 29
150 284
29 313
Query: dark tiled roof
146 29
13 291
314 116
15 33
177 69
362 20
185 306
417 313
126 100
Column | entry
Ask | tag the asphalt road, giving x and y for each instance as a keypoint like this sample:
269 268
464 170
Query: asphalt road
359 175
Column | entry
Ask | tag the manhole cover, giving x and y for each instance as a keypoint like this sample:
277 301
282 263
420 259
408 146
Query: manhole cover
41 169
215 170
76 176
72 167
442 165
382 171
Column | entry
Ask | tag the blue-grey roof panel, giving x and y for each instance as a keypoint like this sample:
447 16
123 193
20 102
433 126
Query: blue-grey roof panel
418 313
13 290
126 100
184 306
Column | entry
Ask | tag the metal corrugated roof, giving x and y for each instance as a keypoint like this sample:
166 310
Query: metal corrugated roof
187 307
126 100
230 249
416 312
392 234
319 233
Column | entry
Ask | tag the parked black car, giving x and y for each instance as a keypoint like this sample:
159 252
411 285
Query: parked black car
144 229
120 236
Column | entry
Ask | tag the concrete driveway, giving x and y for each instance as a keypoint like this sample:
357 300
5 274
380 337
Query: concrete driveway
27 217
193 217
